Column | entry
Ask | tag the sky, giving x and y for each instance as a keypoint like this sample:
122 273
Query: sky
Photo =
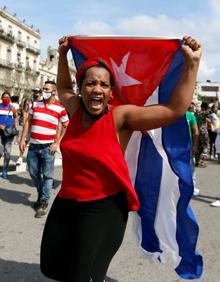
158 18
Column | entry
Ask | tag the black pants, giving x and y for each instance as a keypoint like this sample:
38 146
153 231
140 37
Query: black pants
81 238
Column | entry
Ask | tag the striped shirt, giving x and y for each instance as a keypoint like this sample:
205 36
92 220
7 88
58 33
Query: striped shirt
6 115
45 119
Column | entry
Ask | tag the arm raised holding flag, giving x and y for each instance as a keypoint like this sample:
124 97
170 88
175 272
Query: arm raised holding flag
88 218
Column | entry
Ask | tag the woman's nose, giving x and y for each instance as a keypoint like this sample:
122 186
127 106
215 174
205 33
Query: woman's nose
98 88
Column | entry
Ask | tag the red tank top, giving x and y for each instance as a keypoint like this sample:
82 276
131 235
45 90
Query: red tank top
93 162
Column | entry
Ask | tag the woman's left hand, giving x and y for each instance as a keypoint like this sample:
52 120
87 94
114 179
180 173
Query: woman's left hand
192 49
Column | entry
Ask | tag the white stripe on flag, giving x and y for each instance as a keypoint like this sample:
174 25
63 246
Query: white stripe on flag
165 221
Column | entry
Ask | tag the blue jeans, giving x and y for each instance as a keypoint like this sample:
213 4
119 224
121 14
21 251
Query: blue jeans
218 158
40 163
192 164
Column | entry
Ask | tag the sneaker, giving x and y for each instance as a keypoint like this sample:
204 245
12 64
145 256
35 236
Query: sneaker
195 192
5 175
42 209
19 161
37 204
215 204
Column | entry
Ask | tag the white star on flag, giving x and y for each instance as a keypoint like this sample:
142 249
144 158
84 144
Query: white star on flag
122 79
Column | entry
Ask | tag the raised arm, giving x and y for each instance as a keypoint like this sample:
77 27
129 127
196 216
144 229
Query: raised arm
130 117
64 82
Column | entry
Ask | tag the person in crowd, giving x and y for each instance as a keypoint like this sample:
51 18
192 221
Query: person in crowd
8 117
203 145
217 146
87 221
36 96
194 138
42 122
23 116
213 124
15 104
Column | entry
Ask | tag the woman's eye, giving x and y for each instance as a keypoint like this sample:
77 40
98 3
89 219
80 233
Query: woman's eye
105 85
89 83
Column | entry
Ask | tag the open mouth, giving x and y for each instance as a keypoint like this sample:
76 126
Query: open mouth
96 102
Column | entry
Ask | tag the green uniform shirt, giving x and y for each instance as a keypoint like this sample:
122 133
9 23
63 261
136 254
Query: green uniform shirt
191 119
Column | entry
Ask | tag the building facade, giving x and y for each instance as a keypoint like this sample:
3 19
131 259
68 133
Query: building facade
208 89
48 67
21 67
19 54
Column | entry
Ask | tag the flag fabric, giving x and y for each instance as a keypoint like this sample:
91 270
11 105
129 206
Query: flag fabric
147 70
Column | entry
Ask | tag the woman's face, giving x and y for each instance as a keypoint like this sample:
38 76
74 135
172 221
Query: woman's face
96 90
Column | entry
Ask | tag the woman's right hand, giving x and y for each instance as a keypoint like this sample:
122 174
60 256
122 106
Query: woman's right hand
64 45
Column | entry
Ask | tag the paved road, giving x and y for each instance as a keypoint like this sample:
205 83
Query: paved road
20 235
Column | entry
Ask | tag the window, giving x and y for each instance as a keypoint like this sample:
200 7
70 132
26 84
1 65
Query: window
34 65
18 57
8 55
27 63
10 30
41 80
210 88
51 58
28 39
19 35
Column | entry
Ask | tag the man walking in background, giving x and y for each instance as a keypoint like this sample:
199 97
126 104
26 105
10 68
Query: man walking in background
194 138
45 135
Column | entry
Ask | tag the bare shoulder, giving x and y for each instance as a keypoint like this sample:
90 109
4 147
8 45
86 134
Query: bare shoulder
121 113
123 110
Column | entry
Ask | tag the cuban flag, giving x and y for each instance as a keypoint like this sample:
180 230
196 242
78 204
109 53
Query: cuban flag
147 70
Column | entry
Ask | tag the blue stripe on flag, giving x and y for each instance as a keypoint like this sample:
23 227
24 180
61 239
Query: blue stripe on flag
149 178
78 57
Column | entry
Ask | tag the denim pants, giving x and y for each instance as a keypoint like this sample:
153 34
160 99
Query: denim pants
40 163
192 164
5 149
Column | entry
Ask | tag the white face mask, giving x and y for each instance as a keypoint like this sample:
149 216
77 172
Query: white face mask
46 95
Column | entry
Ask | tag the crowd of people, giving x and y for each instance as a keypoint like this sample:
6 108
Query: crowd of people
204 124
96 193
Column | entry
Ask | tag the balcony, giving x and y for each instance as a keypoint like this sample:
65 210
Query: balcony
19 67
32 49
6 64
31 72
7 84
20 43
7 36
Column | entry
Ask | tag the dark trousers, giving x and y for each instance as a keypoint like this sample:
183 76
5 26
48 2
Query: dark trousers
81 238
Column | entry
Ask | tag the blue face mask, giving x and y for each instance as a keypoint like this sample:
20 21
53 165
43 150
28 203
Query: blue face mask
46 95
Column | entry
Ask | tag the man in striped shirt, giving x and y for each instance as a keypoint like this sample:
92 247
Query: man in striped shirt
47 122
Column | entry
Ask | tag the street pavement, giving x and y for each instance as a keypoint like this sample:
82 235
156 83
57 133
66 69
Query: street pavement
20 233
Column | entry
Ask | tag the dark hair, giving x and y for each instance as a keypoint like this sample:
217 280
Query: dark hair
6 93
214 109
50 82
15 99
205 105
